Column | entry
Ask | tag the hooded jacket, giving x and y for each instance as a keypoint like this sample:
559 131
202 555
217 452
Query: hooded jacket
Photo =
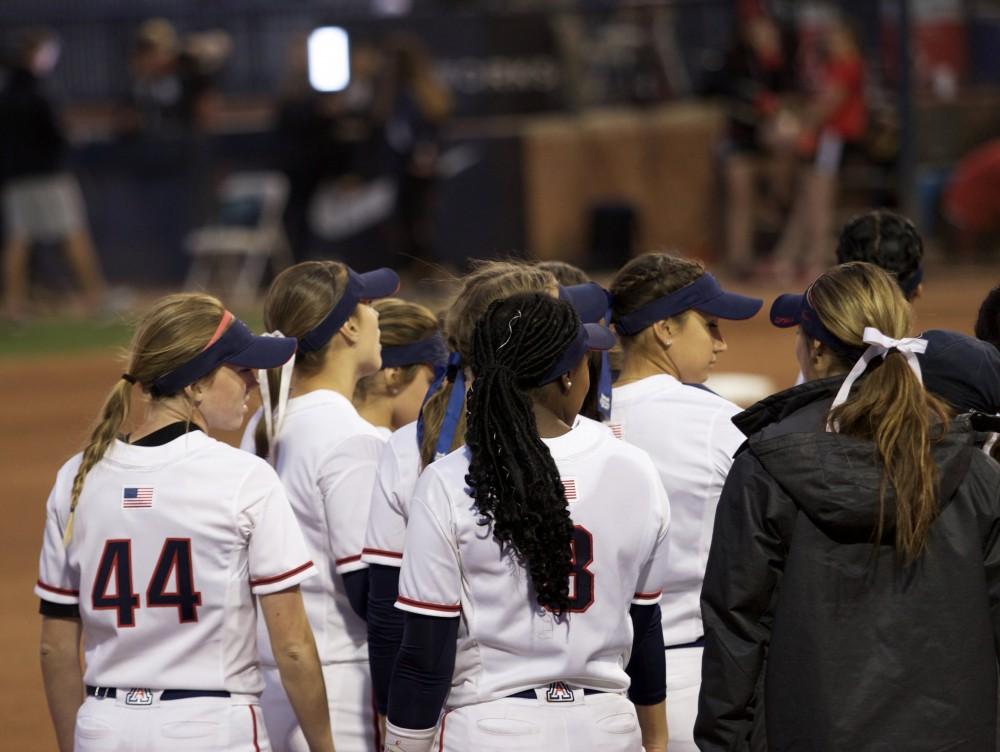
862 652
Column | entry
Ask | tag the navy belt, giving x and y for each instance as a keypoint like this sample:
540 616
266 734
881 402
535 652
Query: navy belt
699 643
529 694
166 695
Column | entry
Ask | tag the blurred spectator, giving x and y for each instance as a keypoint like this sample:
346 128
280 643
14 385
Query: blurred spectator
888 240
42 201
172 81
988 321
413 105
756 78
971 201
835 118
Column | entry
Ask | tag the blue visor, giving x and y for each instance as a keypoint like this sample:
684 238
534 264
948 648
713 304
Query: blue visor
704 295
380 283
793 309
590 301
431 351
588 337
237 346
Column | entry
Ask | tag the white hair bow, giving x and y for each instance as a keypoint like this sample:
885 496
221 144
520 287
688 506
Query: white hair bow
879 345
274 420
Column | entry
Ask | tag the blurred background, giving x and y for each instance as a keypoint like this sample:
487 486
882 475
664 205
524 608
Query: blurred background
154 145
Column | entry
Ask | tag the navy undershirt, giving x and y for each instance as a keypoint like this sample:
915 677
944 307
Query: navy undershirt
157 438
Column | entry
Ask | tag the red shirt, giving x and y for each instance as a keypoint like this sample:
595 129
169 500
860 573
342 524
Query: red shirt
850 118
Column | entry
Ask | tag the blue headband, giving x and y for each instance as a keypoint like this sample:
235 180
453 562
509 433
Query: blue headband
910 285
704 294
431 351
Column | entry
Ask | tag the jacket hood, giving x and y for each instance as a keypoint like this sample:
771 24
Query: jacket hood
837 480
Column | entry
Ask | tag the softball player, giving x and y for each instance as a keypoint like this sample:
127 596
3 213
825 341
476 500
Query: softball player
326 455
530 547
155 545
441 429
412 350
666 311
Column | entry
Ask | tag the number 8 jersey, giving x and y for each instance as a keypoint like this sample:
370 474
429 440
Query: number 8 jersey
169 545
453 567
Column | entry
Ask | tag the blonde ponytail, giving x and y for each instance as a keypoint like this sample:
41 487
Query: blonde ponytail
113 416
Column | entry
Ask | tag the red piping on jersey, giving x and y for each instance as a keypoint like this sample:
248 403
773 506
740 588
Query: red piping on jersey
253 716
279 577
380 552
657 594
61 591
432 606
444 719
347 560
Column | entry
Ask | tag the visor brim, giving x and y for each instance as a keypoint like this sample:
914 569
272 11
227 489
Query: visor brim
589 300
599 337
378 283
264 352
786 310
731 306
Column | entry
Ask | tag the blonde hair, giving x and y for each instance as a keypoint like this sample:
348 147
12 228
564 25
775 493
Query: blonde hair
889 406
400 322
298 299
172 332
488 281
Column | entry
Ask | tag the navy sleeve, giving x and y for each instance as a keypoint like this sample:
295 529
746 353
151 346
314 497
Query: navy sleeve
356 585
647 667
423 671
385 629
58 610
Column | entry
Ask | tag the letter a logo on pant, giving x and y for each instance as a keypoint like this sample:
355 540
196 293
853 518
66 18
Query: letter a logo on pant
559 692
139 697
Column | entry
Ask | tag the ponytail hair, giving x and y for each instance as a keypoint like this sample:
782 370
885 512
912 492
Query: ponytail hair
487 282
298 299
512 477
174 330
889 406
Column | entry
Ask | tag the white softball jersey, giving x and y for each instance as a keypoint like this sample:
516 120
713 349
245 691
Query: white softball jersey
398 470
690 436
453 567
326 458
170 544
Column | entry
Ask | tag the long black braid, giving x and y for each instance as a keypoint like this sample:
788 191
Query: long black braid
512 476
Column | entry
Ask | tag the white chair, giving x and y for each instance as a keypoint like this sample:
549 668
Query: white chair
249 233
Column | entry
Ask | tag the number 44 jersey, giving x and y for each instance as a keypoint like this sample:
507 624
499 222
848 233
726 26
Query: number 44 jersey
453 567
170 543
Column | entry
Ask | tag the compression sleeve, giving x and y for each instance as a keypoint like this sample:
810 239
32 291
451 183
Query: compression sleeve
356 585
385 629
423 671
647 667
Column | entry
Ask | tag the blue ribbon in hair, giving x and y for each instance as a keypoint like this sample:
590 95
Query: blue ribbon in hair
454 373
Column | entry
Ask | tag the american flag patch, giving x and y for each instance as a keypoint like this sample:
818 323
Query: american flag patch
137 497
616 429
569 487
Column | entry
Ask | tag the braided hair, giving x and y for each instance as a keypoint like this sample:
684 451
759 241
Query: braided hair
512 477
885 239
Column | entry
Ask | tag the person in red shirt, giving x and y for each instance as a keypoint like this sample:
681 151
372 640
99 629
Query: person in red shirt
836 117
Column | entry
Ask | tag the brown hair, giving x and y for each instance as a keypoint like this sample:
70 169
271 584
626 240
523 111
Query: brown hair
889 406
565 273
646 278
400 322
173 331
488 281
298 299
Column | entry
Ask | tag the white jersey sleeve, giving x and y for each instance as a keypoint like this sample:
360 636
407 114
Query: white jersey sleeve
654 573
724 439
248 442
278 557
398 469
346 480
431 582
58 580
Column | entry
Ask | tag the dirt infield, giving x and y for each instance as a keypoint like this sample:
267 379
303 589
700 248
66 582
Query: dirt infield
51 402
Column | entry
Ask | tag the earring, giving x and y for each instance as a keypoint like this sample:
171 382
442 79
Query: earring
569 384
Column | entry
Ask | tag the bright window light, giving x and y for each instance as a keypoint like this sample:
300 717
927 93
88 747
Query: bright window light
329 59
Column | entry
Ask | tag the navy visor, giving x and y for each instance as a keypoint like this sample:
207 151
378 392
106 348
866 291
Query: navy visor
233 345
704 294
590 300
588 337
961 369
431 351
380 283
793 309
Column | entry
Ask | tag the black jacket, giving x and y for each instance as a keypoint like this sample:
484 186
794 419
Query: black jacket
31 140
862 653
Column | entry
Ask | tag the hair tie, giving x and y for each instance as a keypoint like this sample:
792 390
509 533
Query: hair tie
274 415
129 378
879 345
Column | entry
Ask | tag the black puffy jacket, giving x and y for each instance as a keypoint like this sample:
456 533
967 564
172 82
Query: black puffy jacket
862 652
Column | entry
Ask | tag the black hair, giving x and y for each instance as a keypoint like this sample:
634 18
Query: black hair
988 321
512 477
885 239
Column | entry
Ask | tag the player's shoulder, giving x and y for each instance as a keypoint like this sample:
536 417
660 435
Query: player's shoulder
326 420
403 441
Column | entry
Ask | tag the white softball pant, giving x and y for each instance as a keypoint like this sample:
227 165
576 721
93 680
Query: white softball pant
198 724
601 722
352 710
683 686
